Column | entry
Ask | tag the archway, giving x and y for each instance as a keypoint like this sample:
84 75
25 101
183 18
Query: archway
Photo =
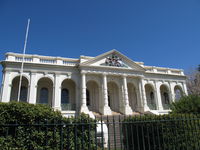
45 91
150 97
165 97
92 96
178 92
15 89
68 95
132 95
113 96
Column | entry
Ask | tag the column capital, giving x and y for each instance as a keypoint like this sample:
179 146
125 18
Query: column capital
56 74
124 76
83 72
33 73
6 70
104 74
141 77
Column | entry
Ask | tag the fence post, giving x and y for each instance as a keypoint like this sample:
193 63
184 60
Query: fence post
61 135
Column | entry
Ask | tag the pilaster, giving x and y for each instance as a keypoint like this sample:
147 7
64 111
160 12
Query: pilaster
172 94
185 88
158 95
143 93
33 88
6 87
57 93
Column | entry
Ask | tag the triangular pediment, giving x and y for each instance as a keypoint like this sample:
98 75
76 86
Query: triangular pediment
112 59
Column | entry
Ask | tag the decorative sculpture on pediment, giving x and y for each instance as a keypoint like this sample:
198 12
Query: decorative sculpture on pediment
114 60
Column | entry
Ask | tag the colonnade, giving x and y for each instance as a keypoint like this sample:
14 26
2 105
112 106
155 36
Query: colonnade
148 95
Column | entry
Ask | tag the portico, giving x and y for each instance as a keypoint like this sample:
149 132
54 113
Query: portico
106 84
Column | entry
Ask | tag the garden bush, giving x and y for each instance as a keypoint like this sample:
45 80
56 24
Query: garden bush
37 127
186 104
173 131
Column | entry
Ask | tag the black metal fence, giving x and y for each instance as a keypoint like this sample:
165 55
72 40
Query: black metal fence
109 133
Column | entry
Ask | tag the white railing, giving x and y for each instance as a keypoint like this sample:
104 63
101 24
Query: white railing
41 59
47 61
25 59
153 69
67 63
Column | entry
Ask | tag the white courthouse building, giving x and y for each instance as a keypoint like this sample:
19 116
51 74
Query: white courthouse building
107 84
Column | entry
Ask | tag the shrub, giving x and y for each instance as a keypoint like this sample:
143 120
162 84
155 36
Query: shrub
26 126
162 132
187 104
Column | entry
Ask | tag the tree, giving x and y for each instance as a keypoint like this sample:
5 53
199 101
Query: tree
186 105
193 82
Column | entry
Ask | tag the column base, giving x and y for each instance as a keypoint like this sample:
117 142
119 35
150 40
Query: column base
146 108
106 110
127 110
85 110
57 108
160 108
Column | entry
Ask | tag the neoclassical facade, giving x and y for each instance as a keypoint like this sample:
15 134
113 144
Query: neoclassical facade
106 84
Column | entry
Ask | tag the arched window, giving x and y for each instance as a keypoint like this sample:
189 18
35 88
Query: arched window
152 98
65 99
108 98
87 97
44 95
23 94
178 92
65 96
166 98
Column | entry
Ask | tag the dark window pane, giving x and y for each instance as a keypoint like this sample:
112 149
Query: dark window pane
88 97
65 96
152 98
108 98
44 94
166 98
23 94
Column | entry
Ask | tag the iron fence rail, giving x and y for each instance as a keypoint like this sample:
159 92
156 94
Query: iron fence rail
114 133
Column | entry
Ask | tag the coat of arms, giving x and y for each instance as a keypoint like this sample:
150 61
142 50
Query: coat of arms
114 60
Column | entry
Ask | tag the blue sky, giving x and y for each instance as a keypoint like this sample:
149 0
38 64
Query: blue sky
162 33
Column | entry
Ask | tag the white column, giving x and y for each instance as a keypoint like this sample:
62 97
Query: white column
185 88
84 107
140 93
33 88
77 97
127 109
6 87
143 94
105 109
158 95
2 81
172 92
57 93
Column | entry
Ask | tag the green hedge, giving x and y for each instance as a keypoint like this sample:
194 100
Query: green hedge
39 127
162 132
186 104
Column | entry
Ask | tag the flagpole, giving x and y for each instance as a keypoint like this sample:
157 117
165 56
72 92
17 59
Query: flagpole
22 65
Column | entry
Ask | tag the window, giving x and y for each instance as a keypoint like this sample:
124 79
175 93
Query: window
151 97
65 96
166 98
44 95
108 98
23 94
87 97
